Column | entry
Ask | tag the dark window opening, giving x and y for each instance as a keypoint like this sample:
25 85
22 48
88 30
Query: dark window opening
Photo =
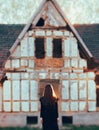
67 120
40 22
57 48
39 48
97 93
32 120
97 79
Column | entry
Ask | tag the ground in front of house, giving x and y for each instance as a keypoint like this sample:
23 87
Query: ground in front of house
68 127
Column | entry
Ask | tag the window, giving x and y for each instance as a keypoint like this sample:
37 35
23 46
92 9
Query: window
67 120
39 48
40 22
57 48
32 120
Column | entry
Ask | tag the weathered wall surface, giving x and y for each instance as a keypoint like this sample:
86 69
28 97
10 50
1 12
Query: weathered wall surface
24 72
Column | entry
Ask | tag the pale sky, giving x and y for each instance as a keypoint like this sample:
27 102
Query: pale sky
77 11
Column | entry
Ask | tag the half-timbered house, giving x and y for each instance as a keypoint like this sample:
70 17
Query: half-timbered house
48 50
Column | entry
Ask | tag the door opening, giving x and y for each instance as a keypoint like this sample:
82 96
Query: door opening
55 84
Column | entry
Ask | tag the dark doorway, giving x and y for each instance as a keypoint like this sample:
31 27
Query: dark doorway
55 84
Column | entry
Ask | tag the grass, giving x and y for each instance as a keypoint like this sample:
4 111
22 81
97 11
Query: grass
85 128
68 127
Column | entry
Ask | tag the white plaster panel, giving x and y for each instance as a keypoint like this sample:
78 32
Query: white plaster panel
15 75
7 106
8 64
16 90
17 52
74 106
82 106
54 75
24 75
65 75
74 90
82 63
74 63
66 33
65 106
16 106
67 47
24 47
34 106
82 75
78 70
91 75
53 21
73 76
48 33
55 18
67 63
40 33
58 33
91 106
7 90
24 89
73 48
49 47
82 90
30 32
91 90
42 75
24 63
15 63
31 46
8 75
33 75
25 106
31 63
33 90
65 89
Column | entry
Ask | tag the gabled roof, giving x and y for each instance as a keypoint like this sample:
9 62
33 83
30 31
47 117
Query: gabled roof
45 11
9 33
90 35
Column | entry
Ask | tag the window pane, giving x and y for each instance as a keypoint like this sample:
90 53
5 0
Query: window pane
57 48
39 48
